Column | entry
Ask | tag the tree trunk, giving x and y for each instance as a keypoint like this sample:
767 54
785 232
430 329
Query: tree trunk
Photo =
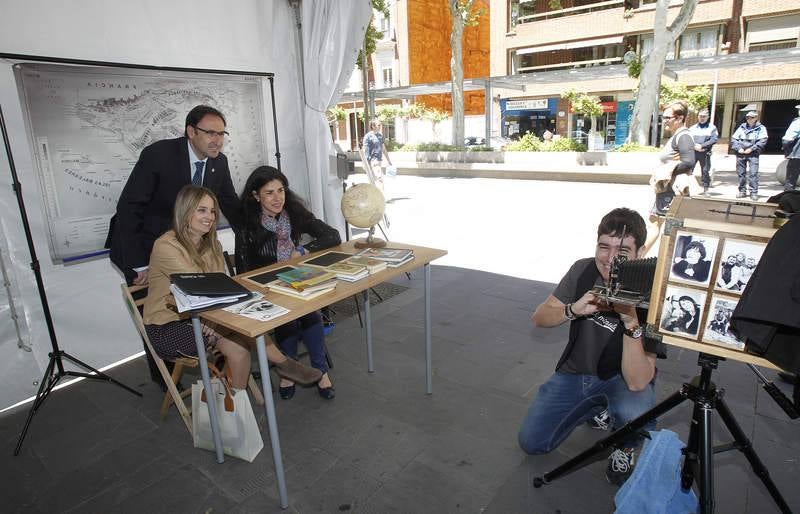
457 70
650 78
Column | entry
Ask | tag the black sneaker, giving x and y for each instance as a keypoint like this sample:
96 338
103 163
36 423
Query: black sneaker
620 466
601 421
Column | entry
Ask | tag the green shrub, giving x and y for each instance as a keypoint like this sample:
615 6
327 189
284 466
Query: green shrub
480 149
531 143
430 147
564 144
636 147
527 143
392 145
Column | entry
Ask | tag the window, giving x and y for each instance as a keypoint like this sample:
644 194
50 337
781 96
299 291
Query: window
384 25
647 46
773 33
387 77
699 43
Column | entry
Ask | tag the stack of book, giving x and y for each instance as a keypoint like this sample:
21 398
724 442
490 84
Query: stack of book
304 282
393 257
372 265
348 271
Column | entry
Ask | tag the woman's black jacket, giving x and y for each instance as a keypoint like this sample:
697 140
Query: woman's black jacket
257 246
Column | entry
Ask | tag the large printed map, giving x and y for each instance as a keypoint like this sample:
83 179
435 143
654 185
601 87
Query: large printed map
88 126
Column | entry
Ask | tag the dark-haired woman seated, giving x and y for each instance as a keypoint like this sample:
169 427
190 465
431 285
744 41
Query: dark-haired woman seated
272 223
192 247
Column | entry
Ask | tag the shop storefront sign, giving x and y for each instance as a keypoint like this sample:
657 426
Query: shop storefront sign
527 105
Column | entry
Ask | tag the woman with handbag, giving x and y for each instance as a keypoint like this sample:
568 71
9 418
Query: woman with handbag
191 246
273 220
674 176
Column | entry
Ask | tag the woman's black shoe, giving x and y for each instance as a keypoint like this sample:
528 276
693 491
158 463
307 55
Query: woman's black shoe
287 393
329 393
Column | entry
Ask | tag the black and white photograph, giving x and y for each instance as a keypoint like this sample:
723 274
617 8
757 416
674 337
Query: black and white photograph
682 311
693 257
718 326
739 260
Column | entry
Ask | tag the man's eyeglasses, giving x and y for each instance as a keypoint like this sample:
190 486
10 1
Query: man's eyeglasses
213 133
668 117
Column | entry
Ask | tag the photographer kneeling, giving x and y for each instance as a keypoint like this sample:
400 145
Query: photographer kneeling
607 362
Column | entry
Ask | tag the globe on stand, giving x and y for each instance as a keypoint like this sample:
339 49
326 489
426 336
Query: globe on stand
363 206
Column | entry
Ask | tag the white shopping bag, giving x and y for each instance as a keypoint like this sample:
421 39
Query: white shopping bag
391 171
241 437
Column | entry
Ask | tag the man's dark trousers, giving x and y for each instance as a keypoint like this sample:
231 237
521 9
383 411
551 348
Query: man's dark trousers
792 172
746 180
704 159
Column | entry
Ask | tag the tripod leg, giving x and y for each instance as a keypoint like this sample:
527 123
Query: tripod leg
620 435
746 447
690 462
98 375
48 381
706 457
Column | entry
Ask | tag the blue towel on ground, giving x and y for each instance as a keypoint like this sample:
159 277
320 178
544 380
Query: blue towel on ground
655 485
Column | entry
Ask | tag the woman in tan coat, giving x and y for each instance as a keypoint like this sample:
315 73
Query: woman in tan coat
192 246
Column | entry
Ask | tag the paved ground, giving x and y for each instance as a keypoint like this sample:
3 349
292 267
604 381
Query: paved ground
382 445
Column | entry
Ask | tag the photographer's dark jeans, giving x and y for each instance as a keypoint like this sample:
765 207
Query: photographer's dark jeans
566 400
746 179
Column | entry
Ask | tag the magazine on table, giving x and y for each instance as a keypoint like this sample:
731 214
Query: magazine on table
257 308
278 286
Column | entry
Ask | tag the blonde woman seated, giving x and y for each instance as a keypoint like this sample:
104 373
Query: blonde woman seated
191 246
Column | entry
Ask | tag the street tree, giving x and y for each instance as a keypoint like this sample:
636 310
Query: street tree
588 106
664 37
463 14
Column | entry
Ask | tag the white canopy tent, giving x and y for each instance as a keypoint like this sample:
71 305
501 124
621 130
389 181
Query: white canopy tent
90 319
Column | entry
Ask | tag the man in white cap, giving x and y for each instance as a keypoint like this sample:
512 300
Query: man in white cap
705 135
747 142
791 149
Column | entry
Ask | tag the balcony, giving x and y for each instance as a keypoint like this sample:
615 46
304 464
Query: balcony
529 11
568 55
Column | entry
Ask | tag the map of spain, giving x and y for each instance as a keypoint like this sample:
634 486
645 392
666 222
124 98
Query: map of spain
89 126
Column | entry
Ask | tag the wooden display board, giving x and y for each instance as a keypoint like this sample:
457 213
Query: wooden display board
707 254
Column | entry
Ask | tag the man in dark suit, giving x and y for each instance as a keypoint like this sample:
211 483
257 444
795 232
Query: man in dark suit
144 209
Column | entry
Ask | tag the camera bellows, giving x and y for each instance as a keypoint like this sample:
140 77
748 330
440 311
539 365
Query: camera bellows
637 275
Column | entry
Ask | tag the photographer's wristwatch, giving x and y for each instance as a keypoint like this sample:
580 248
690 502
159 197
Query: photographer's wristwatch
636 333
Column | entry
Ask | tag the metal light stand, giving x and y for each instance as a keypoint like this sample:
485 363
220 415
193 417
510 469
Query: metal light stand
55 369
698 464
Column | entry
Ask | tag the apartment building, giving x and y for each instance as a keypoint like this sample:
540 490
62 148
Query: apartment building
529 36
415 49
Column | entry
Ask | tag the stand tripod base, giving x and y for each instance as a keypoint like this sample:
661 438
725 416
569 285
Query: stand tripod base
698 464
52 376
370 242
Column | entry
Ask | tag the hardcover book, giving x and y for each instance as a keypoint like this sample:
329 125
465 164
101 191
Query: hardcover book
387 254
304 276
281 287
373 265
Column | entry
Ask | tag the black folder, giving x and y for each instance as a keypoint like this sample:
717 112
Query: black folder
208 284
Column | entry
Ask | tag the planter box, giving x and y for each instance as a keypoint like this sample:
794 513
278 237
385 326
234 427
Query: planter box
535 160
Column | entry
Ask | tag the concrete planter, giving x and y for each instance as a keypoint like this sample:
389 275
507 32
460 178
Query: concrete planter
535 160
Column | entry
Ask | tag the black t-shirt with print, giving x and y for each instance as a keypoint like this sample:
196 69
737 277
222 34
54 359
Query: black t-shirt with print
595 331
